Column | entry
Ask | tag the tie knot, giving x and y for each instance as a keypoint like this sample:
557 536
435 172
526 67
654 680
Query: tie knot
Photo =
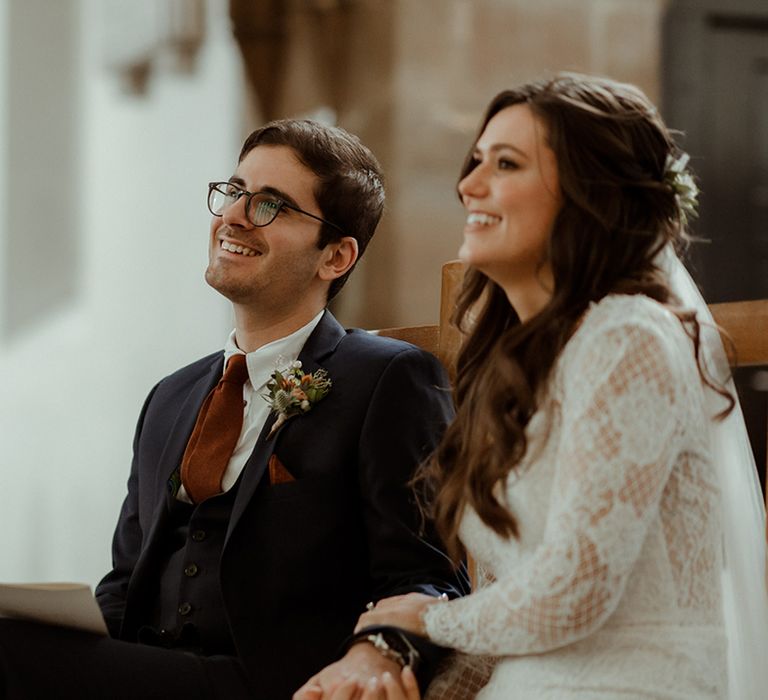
237 370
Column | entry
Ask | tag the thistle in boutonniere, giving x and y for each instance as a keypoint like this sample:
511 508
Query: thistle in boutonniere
292 392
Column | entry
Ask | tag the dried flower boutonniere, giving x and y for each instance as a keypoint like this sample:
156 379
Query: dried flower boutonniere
292 392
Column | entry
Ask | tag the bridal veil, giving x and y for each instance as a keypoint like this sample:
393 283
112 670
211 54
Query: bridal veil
744 576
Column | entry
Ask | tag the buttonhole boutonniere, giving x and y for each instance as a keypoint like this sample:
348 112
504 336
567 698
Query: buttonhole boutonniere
291 392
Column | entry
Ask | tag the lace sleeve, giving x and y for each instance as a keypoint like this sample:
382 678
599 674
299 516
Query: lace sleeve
622 411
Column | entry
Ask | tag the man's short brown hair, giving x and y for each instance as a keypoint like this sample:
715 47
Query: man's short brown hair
350 190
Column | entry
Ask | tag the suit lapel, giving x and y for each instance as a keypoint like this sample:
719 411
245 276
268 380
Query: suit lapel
173 451
321 343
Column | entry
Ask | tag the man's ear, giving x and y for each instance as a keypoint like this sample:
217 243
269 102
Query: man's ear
338 257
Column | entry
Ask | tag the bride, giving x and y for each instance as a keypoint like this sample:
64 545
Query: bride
588 472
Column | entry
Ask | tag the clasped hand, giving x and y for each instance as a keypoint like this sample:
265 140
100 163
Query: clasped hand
363 673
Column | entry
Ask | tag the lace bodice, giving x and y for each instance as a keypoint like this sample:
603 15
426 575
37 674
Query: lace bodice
614 581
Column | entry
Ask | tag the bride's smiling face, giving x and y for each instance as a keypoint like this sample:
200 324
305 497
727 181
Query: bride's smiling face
512 197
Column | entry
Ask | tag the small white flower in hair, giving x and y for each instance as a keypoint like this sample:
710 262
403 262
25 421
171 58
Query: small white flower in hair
682 183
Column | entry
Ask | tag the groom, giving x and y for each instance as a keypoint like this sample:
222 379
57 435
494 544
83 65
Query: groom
243 579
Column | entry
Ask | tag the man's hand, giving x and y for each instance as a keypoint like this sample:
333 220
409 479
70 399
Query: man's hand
351 675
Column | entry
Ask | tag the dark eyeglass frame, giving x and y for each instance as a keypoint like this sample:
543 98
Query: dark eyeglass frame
279 201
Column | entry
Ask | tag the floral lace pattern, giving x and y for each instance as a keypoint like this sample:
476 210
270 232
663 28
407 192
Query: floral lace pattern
613 586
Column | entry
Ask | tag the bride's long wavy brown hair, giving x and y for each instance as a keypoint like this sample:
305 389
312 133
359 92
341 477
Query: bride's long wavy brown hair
617 214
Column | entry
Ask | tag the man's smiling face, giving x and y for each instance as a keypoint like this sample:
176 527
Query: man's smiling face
276 263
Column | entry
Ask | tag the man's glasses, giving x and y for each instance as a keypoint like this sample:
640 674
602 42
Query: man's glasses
261 208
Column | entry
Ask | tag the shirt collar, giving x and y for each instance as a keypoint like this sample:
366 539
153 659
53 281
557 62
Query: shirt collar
275 355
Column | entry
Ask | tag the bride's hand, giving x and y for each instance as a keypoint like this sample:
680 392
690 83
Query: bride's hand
384 688
403 611
389 689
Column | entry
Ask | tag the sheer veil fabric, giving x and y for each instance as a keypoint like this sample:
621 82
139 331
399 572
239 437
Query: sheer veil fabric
744 576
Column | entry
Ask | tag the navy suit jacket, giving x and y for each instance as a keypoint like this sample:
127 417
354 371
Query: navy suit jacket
302 558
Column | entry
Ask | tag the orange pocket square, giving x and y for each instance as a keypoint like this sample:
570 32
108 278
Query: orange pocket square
278 474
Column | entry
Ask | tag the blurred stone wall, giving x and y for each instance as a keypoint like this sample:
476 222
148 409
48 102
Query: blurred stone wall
412 79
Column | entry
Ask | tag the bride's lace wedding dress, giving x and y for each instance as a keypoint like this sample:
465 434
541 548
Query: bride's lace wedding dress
613 588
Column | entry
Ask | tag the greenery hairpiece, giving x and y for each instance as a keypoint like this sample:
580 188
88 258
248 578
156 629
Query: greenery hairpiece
679 178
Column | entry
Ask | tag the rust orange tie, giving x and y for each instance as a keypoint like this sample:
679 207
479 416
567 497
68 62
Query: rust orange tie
215 434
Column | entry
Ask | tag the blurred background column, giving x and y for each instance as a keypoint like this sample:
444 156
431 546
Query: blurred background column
110 136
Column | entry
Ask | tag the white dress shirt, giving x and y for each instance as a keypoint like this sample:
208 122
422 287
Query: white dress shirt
261 363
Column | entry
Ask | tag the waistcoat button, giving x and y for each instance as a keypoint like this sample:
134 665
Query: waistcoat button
198 535
191 570
185 609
